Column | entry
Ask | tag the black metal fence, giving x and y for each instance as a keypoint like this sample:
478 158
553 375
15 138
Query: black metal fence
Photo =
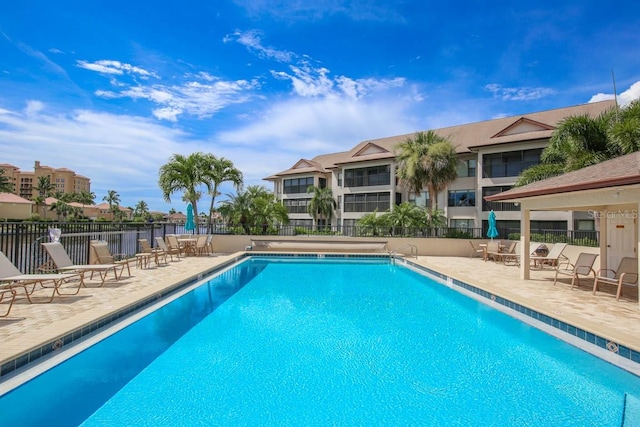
21 241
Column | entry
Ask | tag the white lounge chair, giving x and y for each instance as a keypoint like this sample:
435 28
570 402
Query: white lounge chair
553 258
167 250
582 267
103 256
625 275
63 263
11 278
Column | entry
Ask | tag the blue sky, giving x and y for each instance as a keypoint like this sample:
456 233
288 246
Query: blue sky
111 89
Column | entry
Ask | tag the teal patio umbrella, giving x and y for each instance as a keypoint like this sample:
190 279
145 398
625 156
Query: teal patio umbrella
492 231
190 225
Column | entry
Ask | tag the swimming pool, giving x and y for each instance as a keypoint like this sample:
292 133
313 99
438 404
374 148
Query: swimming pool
296 341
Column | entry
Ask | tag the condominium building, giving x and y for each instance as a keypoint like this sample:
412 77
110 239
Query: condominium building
65 180
491 155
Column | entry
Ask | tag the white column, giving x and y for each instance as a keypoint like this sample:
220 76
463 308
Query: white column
602 215
635 250
525 232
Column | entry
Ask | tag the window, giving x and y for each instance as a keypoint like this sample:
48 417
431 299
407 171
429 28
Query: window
511 163
585 225
461 223
367 177
296 205
340 179
467 168
367 202
422 200
322 182
497 206
297 185
462 198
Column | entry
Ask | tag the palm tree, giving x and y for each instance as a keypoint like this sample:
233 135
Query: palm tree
427 160
44 188
62 209
141 210
237 209
373 222
254 207
113 199
217 171
6 186
265 210
322 204
581 141
186 174
407 216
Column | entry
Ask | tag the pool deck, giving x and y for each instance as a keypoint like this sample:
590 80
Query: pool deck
30 326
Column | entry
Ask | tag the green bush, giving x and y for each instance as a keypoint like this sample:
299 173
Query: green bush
458 234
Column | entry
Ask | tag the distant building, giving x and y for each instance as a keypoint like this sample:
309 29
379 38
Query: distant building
65 180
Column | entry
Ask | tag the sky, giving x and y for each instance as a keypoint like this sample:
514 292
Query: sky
112 89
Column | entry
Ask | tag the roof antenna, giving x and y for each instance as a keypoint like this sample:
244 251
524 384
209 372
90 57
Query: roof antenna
615 92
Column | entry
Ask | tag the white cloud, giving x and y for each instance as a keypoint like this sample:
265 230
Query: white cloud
252 41
117 152
518 93
624 97
115 67
308 81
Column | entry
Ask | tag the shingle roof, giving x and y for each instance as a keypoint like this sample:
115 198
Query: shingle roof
624 170
466 138
13 198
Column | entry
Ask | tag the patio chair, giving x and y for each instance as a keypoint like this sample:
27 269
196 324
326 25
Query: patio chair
169 251
210 243
104 256
475 250
5 292
582 267
509 254
63 263
201 245
11 278
156 253
174 244
625 275
553 258
493 250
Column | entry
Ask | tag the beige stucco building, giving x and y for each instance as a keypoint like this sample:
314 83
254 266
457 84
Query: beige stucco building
492 154
65 180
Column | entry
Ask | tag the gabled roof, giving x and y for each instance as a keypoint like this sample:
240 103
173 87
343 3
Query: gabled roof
13 198
624 170
523 125
319 164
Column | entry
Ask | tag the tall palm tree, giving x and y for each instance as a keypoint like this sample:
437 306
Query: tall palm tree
45 188
6 186
217 171
322 204
427 160
186 174
113 199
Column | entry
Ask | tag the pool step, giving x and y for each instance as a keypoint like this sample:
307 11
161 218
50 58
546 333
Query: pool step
631 411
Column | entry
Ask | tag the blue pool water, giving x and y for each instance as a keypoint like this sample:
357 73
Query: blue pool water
325 342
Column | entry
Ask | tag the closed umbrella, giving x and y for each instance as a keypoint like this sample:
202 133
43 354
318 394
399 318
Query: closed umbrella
492 231
190 224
